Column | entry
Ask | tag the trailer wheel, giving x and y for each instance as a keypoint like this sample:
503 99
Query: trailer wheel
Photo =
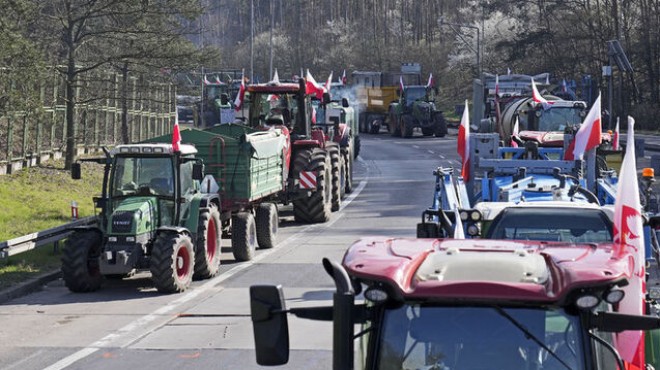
348 161
80 261
336 169
209 244
408 125
243 236
267 225
440 125
317 206
172 262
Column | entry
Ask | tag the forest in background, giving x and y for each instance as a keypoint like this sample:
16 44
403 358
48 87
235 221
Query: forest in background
160 38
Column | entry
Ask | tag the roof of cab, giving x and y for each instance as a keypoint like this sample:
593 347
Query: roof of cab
152 148
490 210
484 270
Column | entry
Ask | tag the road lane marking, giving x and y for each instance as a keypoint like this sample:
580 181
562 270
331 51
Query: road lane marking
193 293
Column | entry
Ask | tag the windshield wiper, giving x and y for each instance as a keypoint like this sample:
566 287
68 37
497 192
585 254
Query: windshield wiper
529 335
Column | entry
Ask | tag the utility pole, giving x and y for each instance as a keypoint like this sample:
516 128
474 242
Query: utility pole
272 21
251 41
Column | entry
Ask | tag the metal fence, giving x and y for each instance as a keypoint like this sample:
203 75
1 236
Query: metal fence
28 138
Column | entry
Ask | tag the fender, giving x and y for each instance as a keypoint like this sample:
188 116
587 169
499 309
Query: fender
174 229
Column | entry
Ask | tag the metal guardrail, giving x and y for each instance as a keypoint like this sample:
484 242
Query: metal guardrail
40 238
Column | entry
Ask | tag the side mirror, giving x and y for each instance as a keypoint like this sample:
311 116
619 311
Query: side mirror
270 325
75 171
617 322
198 171
344 103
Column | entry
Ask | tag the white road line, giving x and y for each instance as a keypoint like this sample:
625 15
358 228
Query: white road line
416 146
193 293
442 156
430 151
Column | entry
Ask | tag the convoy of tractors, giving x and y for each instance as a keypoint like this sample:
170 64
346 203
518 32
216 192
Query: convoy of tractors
504 271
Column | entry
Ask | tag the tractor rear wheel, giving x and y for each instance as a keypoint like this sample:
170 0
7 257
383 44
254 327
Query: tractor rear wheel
317 206
209 243
348 161
243 236
172 262
267 225
428 131
440 125
80 261
356 146
336 169
408 125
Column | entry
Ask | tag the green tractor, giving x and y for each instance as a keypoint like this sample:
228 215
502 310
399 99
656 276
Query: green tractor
152 217
416 108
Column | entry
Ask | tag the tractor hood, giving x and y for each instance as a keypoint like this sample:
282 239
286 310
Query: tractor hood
134 216
552 138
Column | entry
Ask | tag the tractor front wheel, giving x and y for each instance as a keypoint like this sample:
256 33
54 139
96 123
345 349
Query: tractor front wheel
408 125
172 262
348 162
440 125
243 236
80 261
209 243
336 170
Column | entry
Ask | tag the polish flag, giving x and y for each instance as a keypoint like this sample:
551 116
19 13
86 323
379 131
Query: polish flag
497 86
615 139
343 78
588 136
514 133
431 82
176 135
538 97
217 80
311 87
464 143
238 103
328 82
206 81
564 88
629 237
401 83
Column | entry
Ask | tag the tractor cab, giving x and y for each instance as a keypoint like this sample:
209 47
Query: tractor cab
465 304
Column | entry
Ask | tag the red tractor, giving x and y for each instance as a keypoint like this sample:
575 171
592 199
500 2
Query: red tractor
314 162
470 304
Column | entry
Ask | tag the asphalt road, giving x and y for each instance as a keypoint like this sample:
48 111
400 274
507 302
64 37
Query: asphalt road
127 324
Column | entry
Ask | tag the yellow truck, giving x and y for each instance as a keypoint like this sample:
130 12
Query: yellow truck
376 91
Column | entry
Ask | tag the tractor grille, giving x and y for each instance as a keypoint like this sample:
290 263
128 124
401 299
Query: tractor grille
122 222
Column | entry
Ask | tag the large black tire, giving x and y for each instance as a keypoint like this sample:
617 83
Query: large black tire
396 125
335 168
348 162
408 125
428 131
80 261
440 125
243 236
362 122
356 147
209 244
172 262
267 225
317 207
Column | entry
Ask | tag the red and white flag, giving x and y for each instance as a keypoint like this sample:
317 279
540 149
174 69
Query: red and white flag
515 133
206 81
459 233
431 82
564 88
538 97
343 78
217 80
401 83
497 86
464 143
328 82
629 237
615 139
176 135
311 87
238 102
589 136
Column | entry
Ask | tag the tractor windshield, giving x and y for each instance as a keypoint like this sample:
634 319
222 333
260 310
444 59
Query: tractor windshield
150 175
437 337
272 109
415 93
558 118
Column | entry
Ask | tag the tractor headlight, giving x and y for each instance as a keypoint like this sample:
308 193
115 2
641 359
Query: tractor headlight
376 294
587 301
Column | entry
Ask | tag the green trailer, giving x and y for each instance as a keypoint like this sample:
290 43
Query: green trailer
245 167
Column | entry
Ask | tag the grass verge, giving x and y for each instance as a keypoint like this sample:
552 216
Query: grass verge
39 198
